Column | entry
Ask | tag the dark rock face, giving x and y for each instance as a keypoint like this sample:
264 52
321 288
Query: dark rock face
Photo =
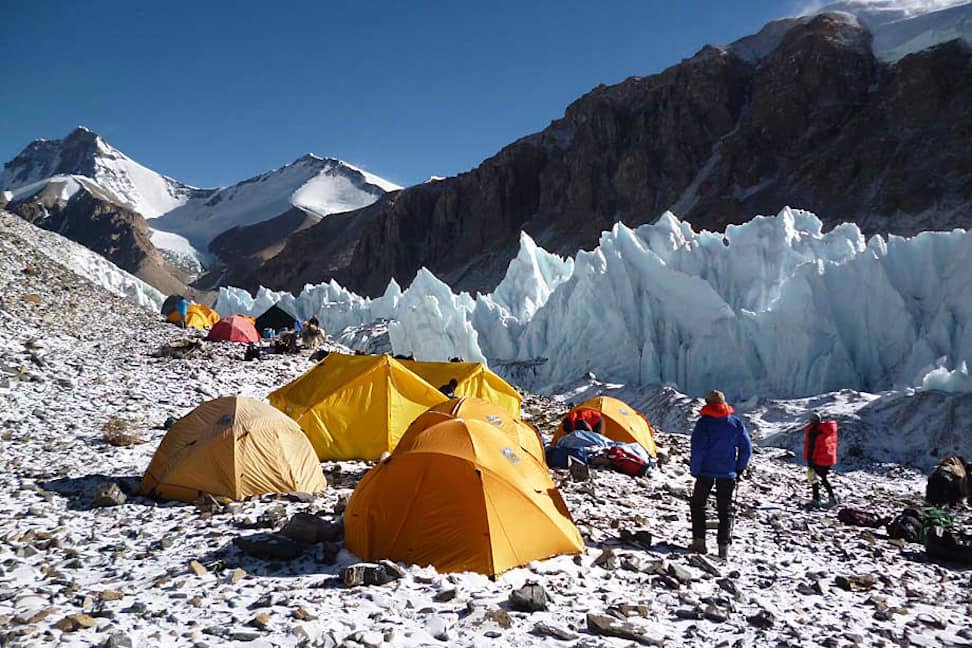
115 232
76 154
816 122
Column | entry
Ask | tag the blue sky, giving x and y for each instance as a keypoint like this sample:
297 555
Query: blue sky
215 92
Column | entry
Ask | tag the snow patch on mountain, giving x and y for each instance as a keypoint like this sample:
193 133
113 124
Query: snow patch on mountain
321 186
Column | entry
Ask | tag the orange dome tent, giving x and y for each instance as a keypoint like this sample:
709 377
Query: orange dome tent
232 447
621 423
521 434
234 328
457 497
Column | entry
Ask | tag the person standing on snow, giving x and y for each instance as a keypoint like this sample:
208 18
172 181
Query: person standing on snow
721 449
820 453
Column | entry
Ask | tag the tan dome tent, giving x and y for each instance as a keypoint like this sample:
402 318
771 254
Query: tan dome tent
233 447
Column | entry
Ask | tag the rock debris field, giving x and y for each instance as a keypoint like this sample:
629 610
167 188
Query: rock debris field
85 561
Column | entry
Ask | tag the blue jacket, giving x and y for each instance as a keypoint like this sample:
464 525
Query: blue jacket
721 447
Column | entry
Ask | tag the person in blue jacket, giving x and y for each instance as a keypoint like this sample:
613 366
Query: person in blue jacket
721 449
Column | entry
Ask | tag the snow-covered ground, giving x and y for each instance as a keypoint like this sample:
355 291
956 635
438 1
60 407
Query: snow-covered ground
78 356
774 307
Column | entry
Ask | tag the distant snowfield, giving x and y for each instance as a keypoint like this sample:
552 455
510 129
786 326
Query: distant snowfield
773 307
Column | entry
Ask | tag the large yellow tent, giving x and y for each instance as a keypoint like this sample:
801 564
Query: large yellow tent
621 423
355 407
232 447
519 433
474 380
457 497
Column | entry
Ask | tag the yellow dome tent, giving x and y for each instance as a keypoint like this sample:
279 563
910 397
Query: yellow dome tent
198 316
621 423
457 497
232 447
355 407
474 380
521 434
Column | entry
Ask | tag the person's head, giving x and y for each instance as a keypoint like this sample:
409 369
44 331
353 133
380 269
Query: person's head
453 383
715 397
815 417
314 321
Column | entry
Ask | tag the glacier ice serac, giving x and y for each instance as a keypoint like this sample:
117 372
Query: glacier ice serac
773 307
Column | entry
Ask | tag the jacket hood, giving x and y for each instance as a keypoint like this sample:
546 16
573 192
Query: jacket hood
719 410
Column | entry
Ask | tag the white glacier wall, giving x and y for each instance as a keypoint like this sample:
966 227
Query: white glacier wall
772 307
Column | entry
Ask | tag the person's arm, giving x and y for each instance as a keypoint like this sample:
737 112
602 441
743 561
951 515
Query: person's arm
811 442
695 460
744 449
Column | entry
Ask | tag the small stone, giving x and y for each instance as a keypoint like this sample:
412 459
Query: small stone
446 595
108 494
607 559
118 640
715 614
260 620
438 628
236 576
111 595
764 619
703 563
529 598
371 574
311 529
681 574
551 630
268 546
301 614
604 625
197 568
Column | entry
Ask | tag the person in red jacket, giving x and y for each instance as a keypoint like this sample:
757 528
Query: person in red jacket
820 453
583 418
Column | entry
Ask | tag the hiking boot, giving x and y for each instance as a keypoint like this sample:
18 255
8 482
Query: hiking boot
815 503
724 551
833 501
697 546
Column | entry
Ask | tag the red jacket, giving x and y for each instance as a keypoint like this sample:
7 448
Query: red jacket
591 416
820 443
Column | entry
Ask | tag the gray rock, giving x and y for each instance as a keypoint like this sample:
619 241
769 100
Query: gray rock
607 626
118 640
715 614
370 574
679 573
268 546
306 528
107 494
764 619
551 630
529 598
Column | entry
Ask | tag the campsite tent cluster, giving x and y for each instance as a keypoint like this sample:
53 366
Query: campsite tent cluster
235 328
461 483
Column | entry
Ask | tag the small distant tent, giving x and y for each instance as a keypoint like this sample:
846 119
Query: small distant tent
200 316
457 497
474 380
621 423
520 434
234 328
277 317
171 303
232 447
355 406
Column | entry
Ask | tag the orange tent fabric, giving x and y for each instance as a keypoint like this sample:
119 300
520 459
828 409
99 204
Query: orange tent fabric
234 328
233 447
521 434
457 497
621 423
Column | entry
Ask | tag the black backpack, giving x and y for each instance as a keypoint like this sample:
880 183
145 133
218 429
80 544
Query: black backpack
948 483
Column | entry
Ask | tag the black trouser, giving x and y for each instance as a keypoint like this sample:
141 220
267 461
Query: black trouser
700 497
822 472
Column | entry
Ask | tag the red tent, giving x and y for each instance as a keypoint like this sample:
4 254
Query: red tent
234 328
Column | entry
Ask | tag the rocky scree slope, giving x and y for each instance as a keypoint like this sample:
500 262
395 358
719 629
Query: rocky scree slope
74 572
803 115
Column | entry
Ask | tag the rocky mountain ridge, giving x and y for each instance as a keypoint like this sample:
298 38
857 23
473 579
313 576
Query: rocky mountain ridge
809 118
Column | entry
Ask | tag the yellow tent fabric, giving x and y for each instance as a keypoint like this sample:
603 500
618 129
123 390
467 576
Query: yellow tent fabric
621 423
198 316
233 447
355 407
457 497
519 433
474 380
